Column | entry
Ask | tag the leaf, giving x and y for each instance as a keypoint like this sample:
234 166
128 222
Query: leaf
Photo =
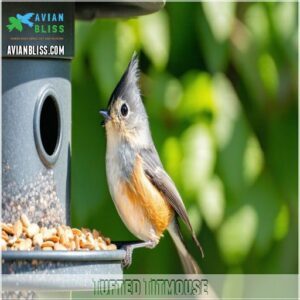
269 74
172 156
228 109
257 21
197 100
237 235
127 43
220 16
253 160
264 196
154 36
286 11
103 56
212 202
281 227
199 157
215 51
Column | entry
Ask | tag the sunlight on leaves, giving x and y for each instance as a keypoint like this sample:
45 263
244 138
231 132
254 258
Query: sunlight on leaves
199 157
256 21
208 75
82 33
282 223
285 18
198 95
221 24
154 36
171 154
195 218
268 73
212 202
253 160
103 55
227 109
173 94
127 43
237 234
215 52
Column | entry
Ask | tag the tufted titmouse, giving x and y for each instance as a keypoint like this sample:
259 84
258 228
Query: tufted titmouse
145 196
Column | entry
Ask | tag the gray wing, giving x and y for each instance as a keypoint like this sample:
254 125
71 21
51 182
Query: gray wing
161 180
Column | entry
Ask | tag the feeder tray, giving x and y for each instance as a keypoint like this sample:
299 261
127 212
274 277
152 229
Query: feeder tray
44 263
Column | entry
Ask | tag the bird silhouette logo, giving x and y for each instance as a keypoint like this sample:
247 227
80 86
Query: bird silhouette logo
18 21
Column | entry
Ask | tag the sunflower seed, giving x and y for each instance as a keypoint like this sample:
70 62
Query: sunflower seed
38 239
18 228
25 220
8 228
47 244
58 246
32 230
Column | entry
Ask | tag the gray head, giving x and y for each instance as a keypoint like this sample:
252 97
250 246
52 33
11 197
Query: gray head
125 112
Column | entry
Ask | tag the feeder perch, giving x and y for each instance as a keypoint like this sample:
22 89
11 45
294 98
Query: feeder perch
37 49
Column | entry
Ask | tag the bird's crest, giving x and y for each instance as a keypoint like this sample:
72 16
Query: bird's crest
128 83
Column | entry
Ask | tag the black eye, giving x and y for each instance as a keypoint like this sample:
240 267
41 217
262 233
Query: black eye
124 110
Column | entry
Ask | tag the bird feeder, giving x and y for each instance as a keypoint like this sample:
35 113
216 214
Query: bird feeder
37 49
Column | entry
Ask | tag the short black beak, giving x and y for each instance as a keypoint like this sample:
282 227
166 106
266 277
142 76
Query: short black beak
106 116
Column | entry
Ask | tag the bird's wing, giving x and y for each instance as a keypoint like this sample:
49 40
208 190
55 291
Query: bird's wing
161 180
28 16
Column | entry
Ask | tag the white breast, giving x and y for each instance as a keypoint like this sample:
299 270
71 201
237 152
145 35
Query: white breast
113 169
133 217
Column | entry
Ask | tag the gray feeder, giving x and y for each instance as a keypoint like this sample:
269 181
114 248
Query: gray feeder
36 129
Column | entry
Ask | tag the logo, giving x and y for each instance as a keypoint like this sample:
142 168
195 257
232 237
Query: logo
16 22
39 23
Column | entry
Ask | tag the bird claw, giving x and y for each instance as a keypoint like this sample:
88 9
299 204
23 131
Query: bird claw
126 262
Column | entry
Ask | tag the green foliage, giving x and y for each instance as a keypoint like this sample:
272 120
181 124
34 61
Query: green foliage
220 86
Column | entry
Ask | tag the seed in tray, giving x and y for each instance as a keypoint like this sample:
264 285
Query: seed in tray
76 231
47 244
38 239
47 248
25 220
8 228
95 234
54 239
58 246
3 245
32 230
4 236
18 228
23 235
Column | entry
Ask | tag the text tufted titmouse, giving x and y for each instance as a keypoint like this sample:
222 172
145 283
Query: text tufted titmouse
145 196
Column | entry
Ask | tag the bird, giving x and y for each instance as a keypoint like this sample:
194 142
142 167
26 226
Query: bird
145 196
25 19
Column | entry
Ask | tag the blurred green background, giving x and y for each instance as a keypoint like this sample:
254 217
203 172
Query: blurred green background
220 85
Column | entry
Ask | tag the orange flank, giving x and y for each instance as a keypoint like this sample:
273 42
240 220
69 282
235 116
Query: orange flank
143 194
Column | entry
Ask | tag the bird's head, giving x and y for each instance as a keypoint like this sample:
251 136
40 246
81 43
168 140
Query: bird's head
125 114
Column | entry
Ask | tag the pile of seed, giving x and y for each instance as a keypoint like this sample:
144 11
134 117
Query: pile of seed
23 235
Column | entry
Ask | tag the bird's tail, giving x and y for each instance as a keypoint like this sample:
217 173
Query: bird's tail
189 264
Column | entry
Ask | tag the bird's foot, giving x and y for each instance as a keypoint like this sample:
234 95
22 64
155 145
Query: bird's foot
126 262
